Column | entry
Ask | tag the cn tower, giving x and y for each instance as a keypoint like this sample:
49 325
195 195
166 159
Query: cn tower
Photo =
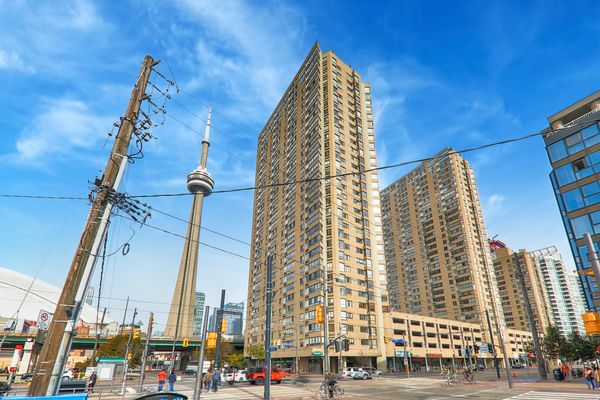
180 322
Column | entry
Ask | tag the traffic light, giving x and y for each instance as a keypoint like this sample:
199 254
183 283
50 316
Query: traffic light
224 326
336 346
136 333
211 342
346 344
185 342
459 352
129 356
476 348
385 339
320 314
591 321
151 350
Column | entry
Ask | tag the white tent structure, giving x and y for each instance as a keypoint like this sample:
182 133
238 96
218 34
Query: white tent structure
42 296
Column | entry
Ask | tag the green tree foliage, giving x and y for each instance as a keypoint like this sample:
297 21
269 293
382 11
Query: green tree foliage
256 351
226 350
115 347
551 343
572 348
236 360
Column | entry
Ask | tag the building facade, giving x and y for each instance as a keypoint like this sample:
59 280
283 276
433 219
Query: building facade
573 146
199 313
435 342
325 232
563 291
438 259
234 315
508 265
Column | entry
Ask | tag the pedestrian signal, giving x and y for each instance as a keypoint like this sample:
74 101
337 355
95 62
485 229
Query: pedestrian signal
320 314
346 344
336 346
186 342
224 326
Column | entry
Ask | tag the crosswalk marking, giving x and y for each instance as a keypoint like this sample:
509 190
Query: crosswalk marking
534 395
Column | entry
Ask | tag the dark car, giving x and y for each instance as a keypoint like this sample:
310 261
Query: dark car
480 367
4 388
518 366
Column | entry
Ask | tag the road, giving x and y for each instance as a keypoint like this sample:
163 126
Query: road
420 387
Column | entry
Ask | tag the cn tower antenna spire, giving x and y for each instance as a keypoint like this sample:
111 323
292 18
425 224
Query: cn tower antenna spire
207 127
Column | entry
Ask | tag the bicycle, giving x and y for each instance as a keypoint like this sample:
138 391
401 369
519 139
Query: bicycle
328 391
468 379
451 380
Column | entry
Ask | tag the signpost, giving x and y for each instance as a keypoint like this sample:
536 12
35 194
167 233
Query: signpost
317 353
273 348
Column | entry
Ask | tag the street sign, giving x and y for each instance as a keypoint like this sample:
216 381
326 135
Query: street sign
483 348
317 353
273 348
400 353
287 345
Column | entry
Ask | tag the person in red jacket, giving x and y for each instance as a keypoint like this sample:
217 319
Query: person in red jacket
162 377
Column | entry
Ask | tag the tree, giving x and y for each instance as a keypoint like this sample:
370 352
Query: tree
256 351
551 343
583 347
236 360
226 350
115 347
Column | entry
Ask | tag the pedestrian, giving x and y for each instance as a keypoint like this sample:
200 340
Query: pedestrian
589 378
162 377
565 370
216 378
92 382
172 379
208 379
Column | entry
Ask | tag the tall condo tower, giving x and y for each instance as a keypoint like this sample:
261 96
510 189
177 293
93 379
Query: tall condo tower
325 233
180 322
573 146
439 263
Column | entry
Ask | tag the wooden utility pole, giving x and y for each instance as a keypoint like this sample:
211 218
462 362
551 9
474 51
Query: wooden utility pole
47 373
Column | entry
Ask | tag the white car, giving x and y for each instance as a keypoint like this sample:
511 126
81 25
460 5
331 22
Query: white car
355 373
373 372
67 375
235 376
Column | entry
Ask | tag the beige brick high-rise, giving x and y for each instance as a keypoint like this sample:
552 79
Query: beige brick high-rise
511 293
322 126
438 260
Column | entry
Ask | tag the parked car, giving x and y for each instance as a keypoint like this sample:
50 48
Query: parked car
518 366
4 388
349 371
27 377
67 375
257 375
479 367
373 372
359 373
235 376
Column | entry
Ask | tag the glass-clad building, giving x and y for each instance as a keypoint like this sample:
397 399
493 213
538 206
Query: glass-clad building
573 146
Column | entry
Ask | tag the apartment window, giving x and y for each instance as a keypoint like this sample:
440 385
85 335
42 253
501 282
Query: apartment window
557 151
589 223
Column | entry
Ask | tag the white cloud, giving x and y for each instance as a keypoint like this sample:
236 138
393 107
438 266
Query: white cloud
12 61
495 205
61 127
249 53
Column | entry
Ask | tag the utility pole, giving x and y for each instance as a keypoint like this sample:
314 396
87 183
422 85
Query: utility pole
297 344
126 366
93 361
198 383
145 355
47 376
341 362
219 328
124 316
494 354
267 391
534 332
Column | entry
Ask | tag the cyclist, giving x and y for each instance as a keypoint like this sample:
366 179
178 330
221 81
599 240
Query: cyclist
331 382
468 373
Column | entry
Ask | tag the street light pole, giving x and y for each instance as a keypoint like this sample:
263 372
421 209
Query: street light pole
534 333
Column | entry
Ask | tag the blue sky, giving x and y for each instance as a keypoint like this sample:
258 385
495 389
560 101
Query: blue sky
442 73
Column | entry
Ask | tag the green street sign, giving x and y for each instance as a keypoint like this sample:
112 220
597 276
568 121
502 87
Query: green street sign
317 353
